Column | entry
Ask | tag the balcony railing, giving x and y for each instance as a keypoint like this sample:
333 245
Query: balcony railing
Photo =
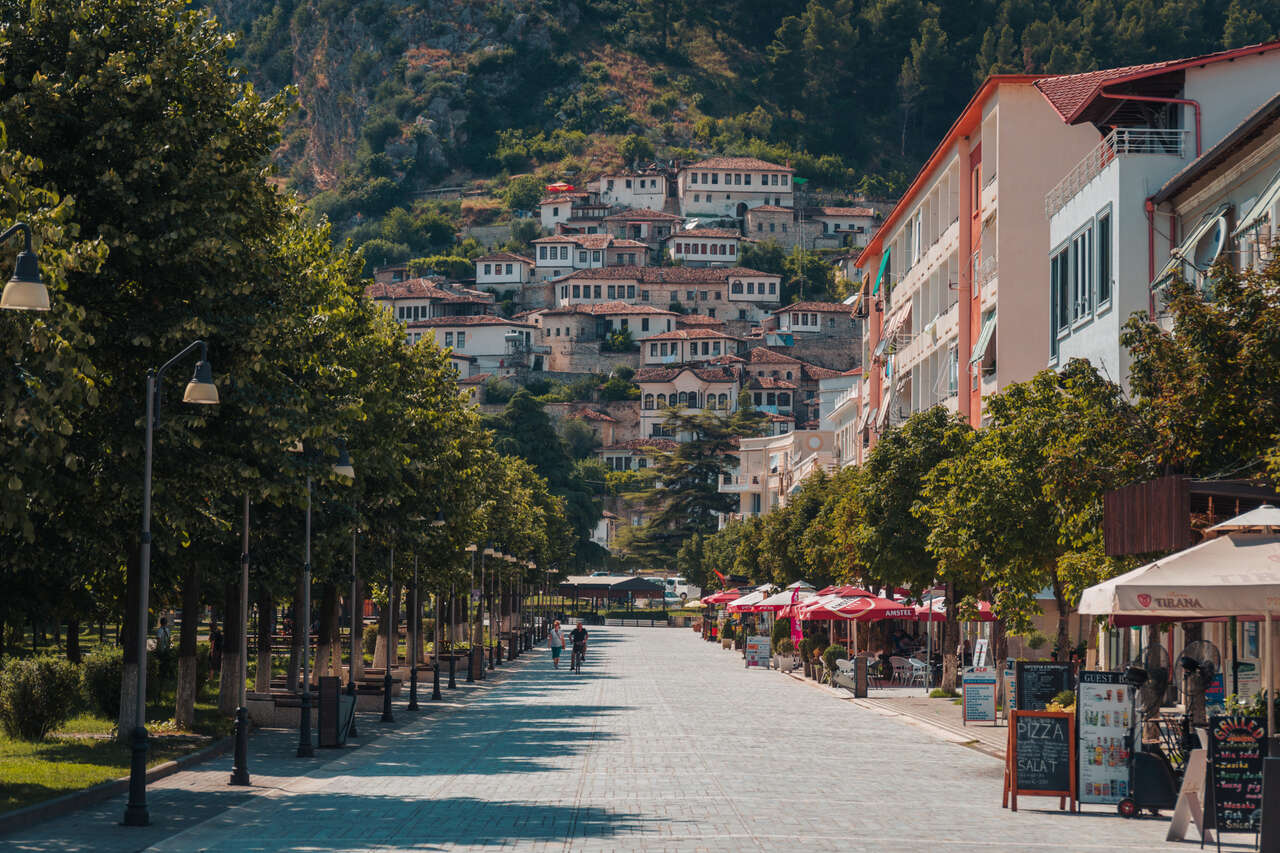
1121 142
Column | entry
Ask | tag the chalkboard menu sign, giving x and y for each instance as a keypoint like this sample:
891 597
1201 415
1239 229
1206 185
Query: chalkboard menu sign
1039 681
1237 747
1041 756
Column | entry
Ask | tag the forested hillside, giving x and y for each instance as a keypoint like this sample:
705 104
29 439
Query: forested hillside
396 96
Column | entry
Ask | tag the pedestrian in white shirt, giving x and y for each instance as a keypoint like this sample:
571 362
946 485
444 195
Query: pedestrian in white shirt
555 640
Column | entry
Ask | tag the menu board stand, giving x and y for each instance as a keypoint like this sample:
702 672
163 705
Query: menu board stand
1190 807
979 703
1040 759
1038 682
1237 748
1104 705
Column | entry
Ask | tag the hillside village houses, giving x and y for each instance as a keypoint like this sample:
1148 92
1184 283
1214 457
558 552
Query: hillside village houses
729 186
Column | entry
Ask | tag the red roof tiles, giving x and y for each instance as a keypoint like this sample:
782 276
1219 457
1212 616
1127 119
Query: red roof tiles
690 334
506 256
469 320
739 163
605 308
708 233
760 355
666 374
664 275
663 444
820 307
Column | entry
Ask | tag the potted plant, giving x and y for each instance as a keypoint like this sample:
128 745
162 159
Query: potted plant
830 655
727 636
807 647
784 654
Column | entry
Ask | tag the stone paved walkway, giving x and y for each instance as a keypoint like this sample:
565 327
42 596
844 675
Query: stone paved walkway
664 743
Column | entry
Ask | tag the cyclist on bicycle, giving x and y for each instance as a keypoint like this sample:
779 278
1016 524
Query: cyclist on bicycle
578 637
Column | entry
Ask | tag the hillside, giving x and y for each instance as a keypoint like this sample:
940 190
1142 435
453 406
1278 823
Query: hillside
398 97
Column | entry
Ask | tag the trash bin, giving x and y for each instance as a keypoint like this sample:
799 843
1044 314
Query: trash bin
336 712
860 677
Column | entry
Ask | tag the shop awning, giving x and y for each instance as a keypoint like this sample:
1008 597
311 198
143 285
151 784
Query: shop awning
1187 248
1260 210
884 263
984 339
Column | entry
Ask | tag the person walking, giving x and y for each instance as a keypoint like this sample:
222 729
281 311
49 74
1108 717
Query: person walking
162 635
555 639
578 637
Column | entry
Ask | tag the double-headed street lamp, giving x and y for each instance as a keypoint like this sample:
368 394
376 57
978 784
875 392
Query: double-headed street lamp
471 626
200 391
25 291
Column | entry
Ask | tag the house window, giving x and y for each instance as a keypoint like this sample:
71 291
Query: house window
737 179
784 228
462 340
662 401
625 322
642 462
577 291
696 198
736 287
628 184
693 177
773 288
724 401
702 294
555 211
772 226
582 257
653 350
715 177
711 312
1082 272
679 248
716 297
448 339
597 291
564 291
773 180
542 253
644 324
487 269
786 179
595 256
784 399
1104 257
742 313
760 226
751 287
664 349
648 401
564 253
631 291
715 347
609 289
706 347
557 331
795 319
644 295
689 295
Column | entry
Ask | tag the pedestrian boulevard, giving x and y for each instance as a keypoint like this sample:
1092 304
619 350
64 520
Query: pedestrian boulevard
664 743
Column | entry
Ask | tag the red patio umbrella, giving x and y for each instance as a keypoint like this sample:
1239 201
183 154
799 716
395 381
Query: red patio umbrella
937 612
723 597
559 187
872 608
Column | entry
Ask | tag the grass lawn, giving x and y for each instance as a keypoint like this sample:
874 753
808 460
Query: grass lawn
82 753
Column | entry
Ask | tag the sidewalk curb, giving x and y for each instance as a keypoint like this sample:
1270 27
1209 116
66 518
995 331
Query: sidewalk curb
57 807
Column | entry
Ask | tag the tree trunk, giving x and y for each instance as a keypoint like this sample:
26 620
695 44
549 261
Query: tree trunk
232 626
950 640
380 650
184 708
326 640
999 644
73 640
295 637
266 626
1064 628
127 719
357 628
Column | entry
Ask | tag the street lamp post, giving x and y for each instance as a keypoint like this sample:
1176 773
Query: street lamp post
306 749
240 769
453 637
392 641
471 627
412 645
357 631
25 291
201 391
435 648
486 605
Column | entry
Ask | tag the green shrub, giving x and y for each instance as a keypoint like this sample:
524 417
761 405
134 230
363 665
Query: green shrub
832 654
37 695
942 693
728 632
100 680
784 647
808 646
781 631
370 639
1065 699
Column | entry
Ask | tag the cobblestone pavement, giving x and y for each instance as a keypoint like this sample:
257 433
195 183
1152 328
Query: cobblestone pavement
664 743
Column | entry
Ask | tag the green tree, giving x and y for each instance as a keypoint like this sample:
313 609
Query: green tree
634 149
522 192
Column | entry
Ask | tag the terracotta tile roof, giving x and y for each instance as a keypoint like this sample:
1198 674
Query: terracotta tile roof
477 379
690 334
857 371
421 288
843 211
821 307
770 208
619 243
770 383
1069 94
813 371
717 233
532 312
760 355
666 374
727 359
642 215
780 418
583 241
506 256
664 444
738 163
469 320
665 275
608 308
690 320
593 415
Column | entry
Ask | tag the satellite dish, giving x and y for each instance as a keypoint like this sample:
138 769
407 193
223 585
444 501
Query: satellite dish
1209 246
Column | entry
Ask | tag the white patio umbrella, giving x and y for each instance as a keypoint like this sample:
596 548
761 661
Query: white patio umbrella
1264 519
1235 574
782 599
745 603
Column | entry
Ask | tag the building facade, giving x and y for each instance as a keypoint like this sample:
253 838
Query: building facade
730 186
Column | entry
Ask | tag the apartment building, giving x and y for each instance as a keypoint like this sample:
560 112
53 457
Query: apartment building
704 247
504 272
650 227
686 388
496 343
730 186
635 454
1113 216
771 468
562 254
956 254
594 321
839 408
636 189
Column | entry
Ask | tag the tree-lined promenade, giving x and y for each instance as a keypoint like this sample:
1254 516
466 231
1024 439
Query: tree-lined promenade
139 159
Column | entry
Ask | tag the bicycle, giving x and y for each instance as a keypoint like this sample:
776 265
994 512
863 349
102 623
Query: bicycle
575 661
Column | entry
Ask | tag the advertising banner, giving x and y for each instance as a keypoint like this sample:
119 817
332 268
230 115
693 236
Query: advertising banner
1103 709
979 685
758 652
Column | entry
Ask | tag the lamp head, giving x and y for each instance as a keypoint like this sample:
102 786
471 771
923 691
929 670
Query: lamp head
343 467
200 389
438 521
25 291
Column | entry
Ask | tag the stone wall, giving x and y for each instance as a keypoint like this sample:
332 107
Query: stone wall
837 351
578 356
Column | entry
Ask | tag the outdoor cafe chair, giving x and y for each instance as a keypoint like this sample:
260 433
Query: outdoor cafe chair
901 669
918 672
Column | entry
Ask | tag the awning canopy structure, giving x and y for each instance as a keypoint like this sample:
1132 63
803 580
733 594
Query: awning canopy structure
611 587
873 608
984 339
745 603
1261 210
1263 519
884 264
723 597
1184 254
781 600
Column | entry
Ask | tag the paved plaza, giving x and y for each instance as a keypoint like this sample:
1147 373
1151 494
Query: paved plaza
664 743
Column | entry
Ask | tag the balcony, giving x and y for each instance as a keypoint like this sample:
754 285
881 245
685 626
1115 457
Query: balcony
1121 142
